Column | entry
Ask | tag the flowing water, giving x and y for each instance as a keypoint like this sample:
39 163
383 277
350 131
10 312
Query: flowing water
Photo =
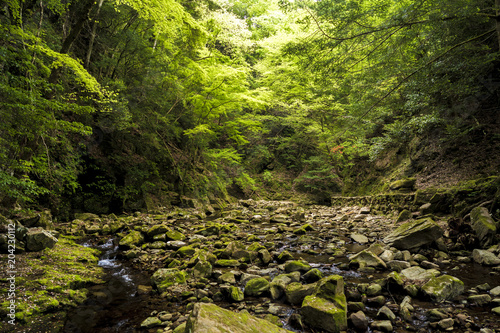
119 306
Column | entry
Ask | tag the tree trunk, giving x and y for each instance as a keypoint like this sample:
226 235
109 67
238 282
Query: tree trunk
93 34
497 8
73 34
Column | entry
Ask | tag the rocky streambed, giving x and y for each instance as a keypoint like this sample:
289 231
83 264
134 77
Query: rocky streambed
276 266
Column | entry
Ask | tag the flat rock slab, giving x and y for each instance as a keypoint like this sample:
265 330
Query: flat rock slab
209 318
414 234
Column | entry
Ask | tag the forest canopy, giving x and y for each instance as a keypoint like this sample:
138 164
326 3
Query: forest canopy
126 105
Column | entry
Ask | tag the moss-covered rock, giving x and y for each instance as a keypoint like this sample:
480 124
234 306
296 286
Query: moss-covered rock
38 239
236 294
256 287
133 239
484 226
175 235
297 266
327 315
414 234
163 278
295 292
443 288
211 318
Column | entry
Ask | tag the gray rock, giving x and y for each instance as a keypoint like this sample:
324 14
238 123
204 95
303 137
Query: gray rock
447 323
367 259
414 234
398 265
479 299
417 273
361 239
485 257
484 226
38 239
382 325
359 321
386 313
495 291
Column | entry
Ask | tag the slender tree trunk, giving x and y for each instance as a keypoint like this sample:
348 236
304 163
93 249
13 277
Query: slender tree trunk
73 34
93 34
497 7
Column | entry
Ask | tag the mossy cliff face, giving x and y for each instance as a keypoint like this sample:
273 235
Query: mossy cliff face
48 283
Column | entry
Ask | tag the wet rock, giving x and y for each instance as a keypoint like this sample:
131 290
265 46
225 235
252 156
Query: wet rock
496 310
163 278
175 245
382 325
213 319
355 306
133 239
443 288
359 321
38 239
366 258
414 234
484 226
256 287
295 292
485 257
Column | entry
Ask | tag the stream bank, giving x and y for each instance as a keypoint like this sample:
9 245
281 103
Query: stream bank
260 239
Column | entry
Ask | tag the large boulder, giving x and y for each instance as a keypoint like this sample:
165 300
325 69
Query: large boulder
209 318
484 226
414 234
38 239
295 292
326 309
443 288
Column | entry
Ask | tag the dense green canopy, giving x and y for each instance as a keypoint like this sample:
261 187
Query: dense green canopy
117 105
